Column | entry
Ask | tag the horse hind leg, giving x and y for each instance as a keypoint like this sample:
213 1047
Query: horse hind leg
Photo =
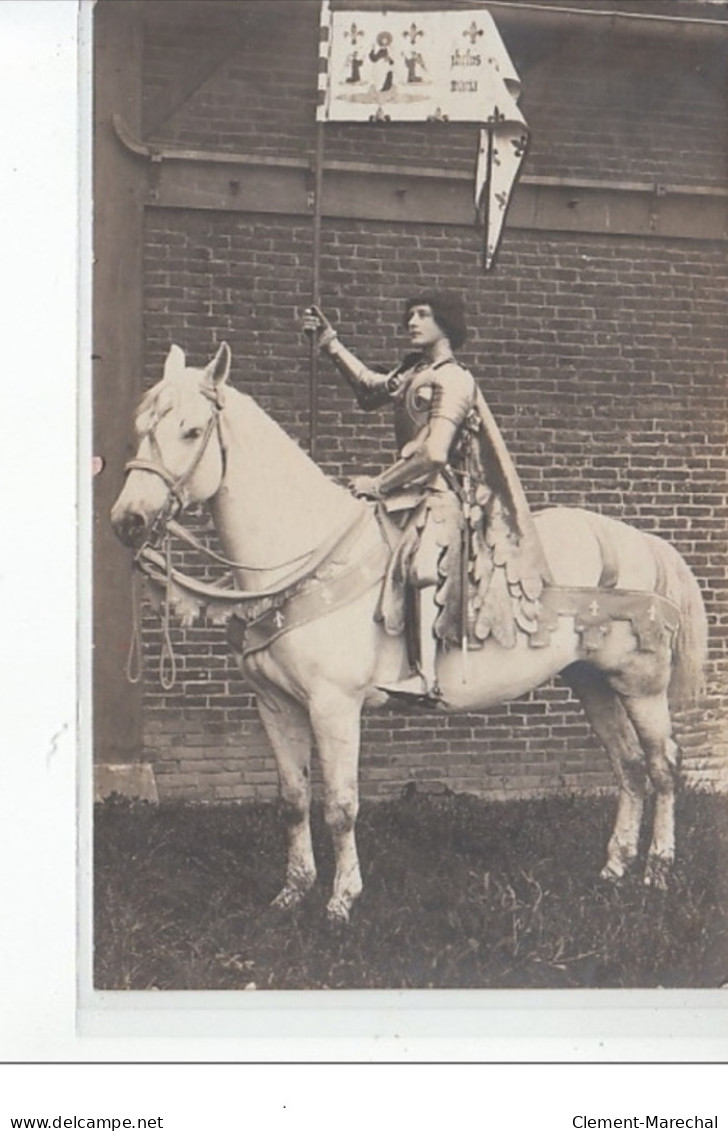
650 716
611 725
289 733
336 720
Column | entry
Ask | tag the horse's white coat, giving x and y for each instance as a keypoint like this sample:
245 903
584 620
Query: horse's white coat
270 504
275 504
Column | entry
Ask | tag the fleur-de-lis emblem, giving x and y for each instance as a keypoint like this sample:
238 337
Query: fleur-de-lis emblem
279 619
413 33
354 34
473 32
380 116
438 116
496 115
519 145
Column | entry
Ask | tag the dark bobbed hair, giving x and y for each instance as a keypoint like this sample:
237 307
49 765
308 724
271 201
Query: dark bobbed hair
448 311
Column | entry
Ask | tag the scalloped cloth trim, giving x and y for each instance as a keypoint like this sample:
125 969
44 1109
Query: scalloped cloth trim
654 618
254 620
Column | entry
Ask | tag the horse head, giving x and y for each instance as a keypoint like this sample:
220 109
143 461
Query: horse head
180 459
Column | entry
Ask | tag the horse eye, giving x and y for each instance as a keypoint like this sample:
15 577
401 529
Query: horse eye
192 434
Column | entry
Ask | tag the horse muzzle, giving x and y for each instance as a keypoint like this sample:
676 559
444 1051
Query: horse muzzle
138 516
131 527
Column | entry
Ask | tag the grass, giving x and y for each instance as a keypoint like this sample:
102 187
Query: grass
458 892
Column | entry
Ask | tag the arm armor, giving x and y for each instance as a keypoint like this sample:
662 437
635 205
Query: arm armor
408 471
371 389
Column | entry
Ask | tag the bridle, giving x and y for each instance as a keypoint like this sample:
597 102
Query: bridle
165 527
176 484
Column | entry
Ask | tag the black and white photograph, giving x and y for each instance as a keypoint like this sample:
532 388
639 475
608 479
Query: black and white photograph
409 664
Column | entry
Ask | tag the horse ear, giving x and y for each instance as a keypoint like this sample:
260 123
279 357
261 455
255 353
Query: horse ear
175 362
218 370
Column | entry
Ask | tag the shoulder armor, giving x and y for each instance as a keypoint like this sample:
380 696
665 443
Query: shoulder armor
454 392
449 362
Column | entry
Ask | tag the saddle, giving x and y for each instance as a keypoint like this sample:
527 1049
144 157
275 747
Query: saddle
490 588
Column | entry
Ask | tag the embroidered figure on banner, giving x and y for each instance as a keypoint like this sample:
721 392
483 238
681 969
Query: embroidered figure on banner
356 63
430 66
382 74
414 62
383 62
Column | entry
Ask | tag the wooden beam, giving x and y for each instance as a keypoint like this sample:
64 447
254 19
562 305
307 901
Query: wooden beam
193 178
119 193
358 192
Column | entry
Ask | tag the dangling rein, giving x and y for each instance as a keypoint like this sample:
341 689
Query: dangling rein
156 565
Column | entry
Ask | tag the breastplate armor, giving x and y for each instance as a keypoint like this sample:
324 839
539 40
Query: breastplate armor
445 389
412 403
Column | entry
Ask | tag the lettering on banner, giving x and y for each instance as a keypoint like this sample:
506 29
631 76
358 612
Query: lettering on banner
465 58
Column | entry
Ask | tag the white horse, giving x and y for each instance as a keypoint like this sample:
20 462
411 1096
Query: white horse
320 652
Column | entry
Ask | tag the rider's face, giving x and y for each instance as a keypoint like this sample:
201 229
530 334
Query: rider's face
423 329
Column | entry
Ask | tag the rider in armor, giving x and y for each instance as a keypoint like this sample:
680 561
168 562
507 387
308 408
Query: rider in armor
437 481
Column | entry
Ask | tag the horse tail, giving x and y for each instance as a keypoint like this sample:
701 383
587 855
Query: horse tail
690 650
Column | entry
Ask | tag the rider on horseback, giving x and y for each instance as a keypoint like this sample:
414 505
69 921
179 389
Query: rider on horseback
440 482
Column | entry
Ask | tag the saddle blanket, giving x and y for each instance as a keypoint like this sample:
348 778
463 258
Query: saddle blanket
654 618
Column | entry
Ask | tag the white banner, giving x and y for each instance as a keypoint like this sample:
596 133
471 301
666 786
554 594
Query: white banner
438 66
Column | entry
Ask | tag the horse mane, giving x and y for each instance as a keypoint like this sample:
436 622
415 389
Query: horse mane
150 409
265 431
277 502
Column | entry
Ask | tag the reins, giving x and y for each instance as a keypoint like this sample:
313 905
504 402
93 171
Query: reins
154 558
187 536
167 658
156 565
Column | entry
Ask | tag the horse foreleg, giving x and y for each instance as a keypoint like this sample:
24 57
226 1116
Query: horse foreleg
610 723
289 733
650 717
336 724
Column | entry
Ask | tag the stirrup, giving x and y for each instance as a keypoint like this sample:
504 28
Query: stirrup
413 690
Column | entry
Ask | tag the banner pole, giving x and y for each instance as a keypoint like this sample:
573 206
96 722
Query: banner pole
318 171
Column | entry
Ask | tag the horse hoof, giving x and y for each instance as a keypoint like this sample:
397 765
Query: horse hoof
657 874
612 873
337 913
620 860
288 898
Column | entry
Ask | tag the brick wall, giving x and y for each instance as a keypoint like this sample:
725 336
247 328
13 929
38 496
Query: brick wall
603 358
